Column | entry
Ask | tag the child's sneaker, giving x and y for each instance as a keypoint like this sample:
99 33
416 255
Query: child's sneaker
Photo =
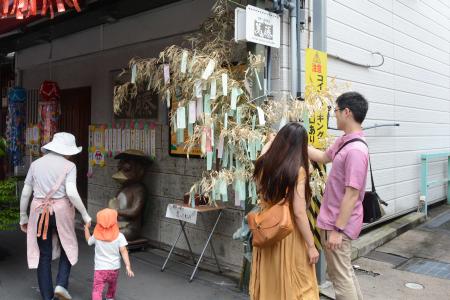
62 293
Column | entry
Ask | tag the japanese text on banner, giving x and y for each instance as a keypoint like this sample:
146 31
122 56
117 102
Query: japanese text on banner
316 76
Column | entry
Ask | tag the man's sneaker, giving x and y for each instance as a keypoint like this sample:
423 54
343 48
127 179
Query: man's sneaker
62 293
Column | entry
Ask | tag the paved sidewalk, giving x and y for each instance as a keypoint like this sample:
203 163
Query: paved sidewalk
419 256
19 283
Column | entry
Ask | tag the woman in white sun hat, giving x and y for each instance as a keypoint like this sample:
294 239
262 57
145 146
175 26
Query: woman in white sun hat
51 227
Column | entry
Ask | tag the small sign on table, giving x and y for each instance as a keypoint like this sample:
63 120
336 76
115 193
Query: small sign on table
182 213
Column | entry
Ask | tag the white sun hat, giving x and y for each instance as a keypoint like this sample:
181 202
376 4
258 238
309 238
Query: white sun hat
62 143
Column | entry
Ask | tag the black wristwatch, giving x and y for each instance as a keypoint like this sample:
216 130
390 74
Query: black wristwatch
337 229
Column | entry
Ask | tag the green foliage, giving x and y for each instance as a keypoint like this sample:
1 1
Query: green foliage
9 204
3 147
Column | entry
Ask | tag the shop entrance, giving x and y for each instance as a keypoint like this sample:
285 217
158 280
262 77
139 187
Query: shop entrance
75 118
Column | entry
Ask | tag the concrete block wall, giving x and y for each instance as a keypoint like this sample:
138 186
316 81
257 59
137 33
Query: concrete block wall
167 179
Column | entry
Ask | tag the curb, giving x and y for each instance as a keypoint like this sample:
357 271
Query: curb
375 238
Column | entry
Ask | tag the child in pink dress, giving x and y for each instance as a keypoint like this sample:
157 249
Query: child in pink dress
109 245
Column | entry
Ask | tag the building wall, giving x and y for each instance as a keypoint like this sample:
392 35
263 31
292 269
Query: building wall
412 87
88 58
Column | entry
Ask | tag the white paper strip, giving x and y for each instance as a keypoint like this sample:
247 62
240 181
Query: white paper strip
262 120
198 89
225 84
213 89
168 98
199 109
220 147
184 60
166 74
192 112
209 69
133 74
181 117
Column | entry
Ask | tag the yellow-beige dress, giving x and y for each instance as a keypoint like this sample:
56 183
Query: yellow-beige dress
282 271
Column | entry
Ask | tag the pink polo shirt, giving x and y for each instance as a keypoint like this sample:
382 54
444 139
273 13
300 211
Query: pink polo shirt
349 170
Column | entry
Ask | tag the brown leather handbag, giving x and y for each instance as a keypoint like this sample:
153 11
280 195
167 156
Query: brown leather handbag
271 225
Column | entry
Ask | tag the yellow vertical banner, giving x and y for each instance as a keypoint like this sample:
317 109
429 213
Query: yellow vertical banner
317 124
316 77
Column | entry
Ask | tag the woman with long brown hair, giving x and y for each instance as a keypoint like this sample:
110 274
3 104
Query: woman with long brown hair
285 270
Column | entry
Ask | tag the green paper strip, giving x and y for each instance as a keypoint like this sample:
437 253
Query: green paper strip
224 197
225 158
207 104
180 136
209 159
238 115
190 130
133 74
192 197
223 187
306 120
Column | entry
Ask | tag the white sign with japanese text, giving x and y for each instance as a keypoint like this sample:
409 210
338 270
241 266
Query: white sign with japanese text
182 213
262 27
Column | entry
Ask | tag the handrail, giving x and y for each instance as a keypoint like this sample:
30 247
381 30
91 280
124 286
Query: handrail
424 183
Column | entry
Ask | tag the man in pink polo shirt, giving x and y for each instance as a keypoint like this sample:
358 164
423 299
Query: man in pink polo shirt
341 212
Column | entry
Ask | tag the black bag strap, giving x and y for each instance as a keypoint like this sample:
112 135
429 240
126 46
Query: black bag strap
370 164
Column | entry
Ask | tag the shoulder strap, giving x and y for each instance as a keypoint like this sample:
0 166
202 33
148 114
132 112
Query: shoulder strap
370 164
59 182
352 141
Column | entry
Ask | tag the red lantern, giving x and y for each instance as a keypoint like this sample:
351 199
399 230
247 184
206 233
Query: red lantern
49 110
26 8
50 91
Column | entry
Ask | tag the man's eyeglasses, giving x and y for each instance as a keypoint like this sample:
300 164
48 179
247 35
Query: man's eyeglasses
338 109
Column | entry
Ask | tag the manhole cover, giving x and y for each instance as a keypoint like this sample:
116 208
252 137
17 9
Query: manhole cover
414 286
427 267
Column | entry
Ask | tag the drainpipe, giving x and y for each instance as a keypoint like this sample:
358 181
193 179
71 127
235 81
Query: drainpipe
320 25
292 6
295 8
320 43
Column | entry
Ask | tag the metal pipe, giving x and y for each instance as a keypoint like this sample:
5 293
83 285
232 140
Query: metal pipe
373 126
294 50
320 25
269 71
299 6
